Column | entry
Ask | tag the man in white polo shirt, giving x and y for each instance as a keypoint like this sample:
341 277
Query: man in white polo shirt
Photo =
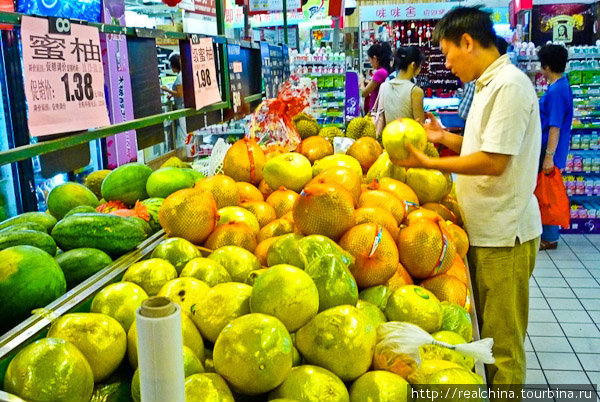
497 170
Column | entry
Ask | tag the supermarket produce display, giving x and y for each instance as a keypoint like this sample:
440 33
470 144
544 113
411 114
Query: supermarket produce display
319 250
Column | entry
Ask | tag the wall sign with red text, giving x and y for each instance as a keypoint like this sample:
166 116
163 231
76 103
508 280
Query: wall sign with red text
206 86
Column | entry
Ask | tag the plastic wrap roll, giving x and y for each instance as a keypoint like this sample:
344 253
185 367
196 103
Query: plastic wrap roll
160 351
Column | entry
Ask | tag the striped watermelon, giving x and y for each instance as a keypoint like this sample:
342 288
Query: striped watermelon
152 206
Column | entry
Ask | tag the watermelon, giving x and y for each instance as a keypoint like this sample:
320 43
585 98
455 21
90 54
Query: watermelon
166 181
29 279
34 238
126 183
42 218
67 196
25 226
81 263
80 210
112 234
152 206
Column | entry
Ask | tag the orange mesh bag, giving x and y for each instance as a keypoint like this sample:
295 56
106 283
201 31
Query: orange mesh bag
315 148
244 161
459 270
190 214
399 279
386 358
282 200
223 189
232 234
379 216
383 199
343 176
448 288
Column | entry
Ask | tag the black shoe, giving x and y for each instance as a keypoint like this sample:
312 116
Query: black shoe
548 245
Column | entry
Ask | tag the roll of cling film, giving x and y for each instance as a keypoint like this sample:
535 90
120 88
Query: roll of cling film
376 240
440 262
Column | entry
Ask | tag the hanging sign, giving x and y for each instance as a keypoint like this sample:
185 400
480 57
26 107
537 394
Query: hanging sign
236 66
418 11
272 5
206 86
64 76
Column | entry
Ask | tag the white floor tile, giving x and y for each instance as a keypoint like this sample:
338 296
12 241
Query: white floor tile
531 360
544 264
587 293
585 345
558 377
591 256
592 264
536 315
594 376
546 273
580 330
535 377
559 361
591 304
575 273
590 362
595 316
536 292
551 282
583 283
564 304
544 329
557 292
551 344
528 345
538 303
568 264
577 317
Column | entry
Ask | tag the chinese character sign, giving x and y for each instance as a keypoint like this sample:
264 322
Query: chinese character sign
404 12
206 87
64 77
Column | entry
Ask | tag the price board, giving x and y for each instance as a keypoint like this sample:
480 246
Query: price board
236 81
277 68
206 86
64 76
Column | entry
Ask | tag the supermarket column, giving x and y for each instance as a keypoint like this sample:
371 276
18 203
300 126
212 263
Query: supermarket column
497 170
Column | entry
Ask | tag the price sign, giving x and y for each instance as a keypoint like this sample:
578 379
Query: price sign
237 90
206 86
64 76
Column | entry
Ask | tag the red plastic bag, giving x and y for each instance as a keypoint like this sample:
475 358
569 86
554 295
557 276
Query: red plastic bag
552 198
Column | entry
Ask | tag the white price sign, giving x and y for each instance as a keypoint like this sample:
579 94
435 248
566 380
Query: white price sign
206 86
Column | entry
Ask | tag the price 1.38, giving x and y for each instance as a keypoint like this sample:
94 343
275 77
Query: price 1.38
204 79
82 87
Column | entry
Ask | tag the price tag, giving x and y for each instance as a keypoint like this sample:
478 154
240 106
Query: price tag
206 86
236 84
64 76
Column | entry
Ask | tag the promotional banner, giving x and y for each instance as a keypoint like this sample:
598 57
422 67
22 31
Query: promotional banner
571 24
315 10
419 11
120 148
352 96
206 86
63 76
272 5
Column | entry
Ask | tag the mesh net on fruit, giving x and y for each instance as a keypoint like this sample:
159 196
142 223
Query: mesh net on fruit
214 163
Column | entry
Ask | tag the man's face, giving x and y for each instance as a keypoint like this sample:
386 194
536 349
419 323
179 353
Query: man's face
459 59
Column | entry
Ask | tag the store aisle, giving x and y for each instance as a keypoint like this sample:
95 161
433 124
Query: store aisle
563 341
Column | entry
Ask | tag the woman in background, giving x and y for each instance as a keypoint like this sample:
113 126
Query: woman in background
176 91
380 57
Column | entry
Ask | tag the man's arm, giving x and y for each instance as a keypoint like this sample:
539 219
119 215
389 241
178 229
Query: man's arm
452 141
553 135
437 134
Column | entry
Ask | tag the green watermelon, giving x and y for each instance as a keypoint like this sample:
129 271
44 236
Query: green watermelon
82 209
152 206
81 263
29 279
127 183
41 218
25 226
166 181
67 196
35 238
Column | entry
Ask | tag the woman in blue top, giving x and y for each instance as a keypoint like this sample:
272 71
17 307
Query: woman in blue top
556 115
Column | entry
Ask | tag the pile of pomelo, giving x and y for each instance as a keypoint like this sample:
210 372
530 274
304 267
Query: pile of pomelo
305 255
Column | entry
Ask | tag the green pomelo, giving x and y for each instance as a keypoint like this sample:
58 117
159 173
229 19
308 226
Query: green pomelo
372 311
430 185
456 319
377 295
206 270
292 170
186 291
286 250
335 283
435 352
311 383
316 246
380 386
207 387
415 305
177 251
150 275
119 301
237 261
383 167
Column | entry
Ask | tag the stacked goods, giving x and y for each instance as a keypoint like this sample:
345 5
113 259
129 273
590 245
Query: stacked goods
308 251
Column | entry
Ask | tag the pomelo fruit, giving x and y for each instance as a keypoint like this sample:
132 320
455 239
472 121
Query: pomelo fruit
177 251
207 387
222 188
343 176
264 188
340 339
67 196
249 359
316 246
380 385
282 200
315 148
456 319
222 304
400 132
384 200
375 254
262 249
398 188
450 202
429 367
430 185
415 305
373 312
196 175
278 227
253 275
208 271
426 248
232 234
100 338
248 192
237 261
459 270
291 170
325 209
365 150
287 293
186 291
189 214
263 211
441 210
377 295
94 181
454 376
286 250
433 352
150 274
311 383
165 181
383 167
337 160
119 301
399 279
335 283
386 358
377 216
190 335
421 213
50 369
244 161
460 237
238 214
448 288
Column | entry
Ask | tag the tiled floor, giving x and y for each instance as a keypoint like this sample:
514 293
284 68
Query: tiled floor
563 337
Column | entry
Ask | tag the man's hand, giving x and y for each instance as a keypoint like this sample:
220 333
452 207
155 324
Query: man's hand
165 88
548 164
416 159
433 128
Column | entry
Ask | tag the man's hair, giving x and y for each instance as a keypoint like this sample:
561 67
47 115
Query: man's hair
466 20
554 56
175 61
501 45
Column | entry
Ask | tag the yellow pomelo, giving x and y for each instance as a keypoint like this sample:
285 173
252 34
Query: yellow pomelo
187 292
207 387
238 214
150 274
433 352
400 132
291 170
415 305
311 383
119 301
177 251
209 271
237 261
337 160
380 386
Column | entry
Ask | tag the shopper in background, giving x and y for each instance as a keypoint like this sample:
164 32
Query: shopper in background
380 57
497 171
176 91
556 113
401 97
